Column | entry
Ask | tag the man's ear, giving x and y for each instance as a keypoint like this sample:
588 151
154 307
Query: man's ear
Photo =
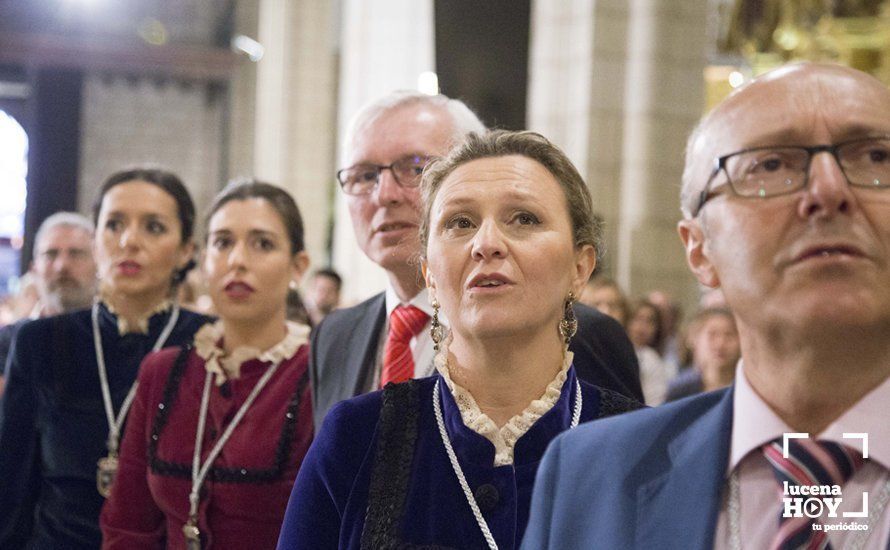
694 241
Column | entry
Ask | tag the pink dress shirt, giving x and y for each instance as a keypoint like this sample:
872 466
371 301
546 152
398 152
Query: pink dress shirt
754 423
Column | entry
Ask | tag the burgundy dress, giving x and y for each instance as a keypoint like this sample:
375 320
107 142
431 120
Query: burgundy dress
244 496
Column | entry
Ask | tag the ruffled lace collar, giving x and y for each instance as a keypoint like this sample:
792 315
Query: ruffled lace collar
208 346
504 438
140 326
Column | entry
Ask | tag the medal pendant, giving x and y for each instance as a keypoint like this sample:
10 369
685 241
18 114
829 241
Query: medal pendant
192 536
105 474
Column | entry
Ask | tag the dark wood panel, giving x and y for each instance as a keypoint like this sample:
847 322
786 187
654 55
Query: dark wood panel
54 147
482 57
52 51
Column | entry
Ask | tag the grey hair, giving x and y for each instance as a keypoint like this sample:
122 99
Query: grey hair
64 219
463 118
687 194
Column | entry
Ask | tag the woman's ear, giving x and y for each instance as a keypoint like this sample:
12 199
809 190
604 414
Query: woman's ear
427 275
430 281
585 263
186 254
184 263
300 263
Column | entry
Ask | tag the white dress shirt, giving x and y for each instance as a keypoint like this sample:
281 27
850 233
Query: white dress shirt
421 345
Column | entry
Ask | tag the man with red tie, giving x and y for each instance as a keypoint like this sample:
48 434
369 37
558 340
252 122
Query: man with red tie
786 203
386 338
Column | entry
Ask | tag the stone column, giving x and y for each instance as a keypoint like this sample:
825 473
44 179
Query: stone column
664 99
295 122
242 119
618 84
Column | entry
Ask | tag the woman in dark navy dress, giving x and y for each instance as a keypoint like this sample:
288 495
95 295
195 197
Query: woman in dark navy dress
508 240
240 396
71 377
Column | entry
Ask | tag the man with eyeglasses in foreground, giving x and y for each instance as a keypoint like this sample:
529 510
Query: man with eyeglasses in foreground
64 270
786 203
386 338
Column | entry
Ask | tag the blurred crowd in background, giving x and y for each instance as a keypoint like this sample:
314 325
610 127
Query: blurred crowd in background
679 355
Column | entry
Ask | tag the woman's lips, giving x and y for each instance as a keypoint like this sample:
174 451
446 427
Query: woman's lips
129 268
238 290
489 283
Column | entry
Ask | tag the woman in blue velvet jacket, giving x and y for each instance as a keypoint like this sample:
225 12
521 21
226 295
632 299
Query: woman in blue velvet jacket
70 376
508 240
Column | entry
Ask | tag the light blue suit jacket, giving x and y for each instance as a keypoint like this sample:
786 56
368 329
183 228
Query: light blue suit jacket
647 479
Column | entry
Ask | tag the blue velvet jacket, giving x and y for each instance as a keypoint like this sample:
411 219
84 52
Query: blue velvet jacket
378 476
53 427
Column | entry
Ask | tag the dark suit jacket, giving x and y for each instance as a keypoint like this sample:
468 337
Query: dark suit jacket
7 335
344 348
647 479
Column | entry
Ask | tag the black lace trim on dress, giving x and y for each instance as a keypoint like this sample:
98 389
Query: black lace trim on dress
612 403
391 472
220 474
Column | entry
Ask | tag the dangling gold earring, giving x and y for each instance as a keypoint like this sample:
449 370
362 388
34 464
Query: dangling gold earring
568 325
437 331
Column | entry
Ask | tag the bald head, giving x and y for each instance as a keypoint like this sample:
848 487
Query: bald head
787 106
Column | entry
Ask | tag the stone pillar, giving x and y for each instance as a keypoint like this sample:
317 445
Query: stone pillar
663 101
385 46
242 119
618 84
295 122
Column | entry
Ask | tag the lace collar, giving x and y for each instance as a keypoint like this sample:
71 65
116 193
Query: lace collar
504 438
208 346
141 324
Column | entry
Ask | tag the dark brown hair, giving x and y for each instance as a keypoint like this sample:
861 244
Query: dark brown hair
278 198
642 303
168 181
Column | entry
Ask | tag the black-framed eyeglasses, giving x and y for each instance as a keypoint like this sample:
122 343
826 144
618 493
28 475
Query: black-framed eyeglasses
361 179
763 172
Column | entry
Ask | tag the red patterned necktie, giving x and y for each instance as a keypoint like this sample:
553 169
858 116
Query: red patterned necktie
808 463
405 323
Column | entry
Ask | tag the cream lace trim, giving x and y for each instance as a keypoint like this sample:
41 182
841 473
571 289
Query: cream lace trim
141 324
207 346
504 438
